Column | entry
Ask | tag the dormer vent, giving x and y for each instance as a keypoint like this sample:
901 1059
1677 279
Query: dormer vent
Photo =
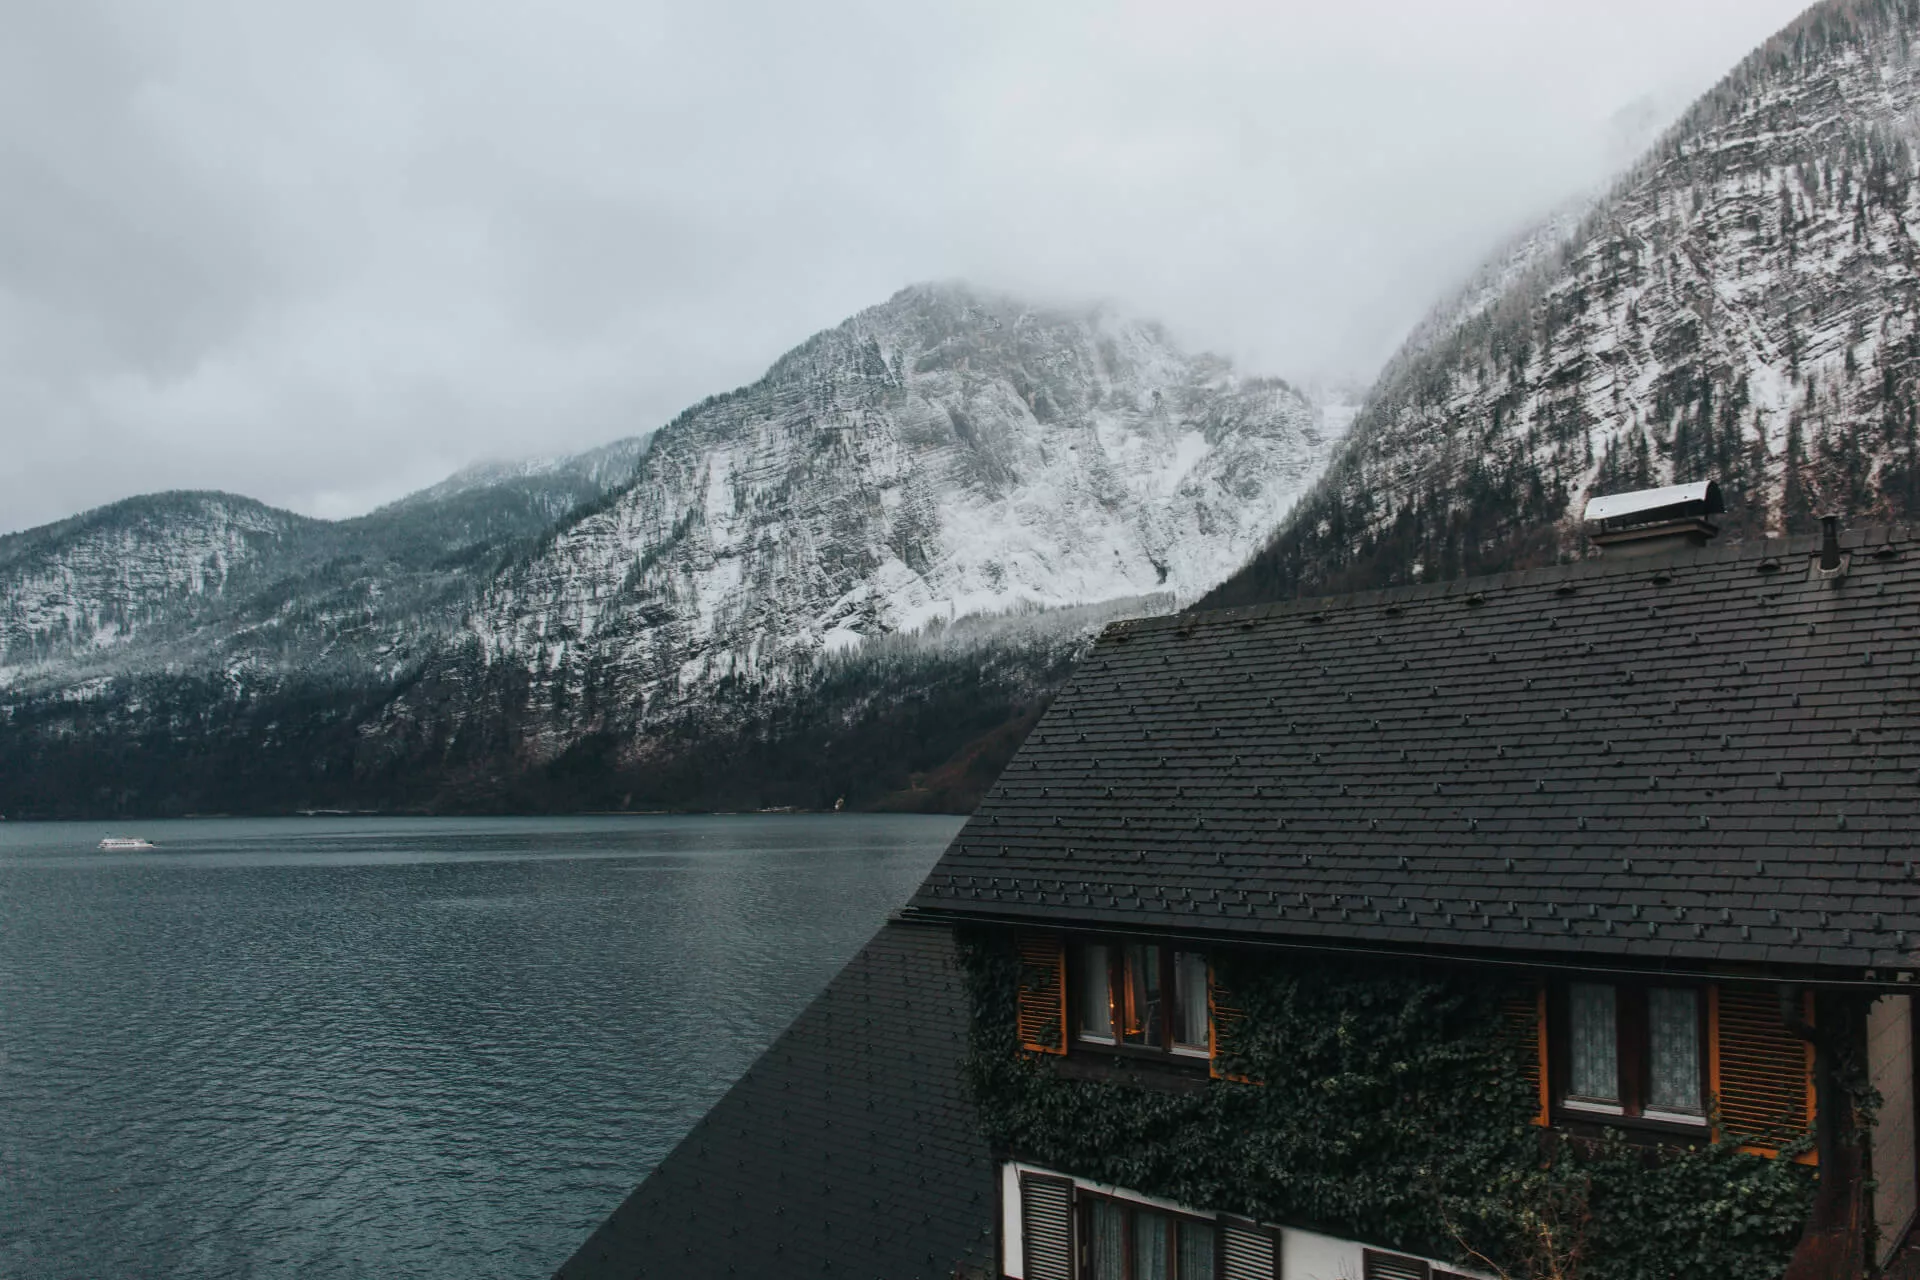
1655 521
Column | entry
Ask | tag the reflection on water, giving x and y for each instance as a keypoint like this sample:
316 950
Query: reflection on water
356 1047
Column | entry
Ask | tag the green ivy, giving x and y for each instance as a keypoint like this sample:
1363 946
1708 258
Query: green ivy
1391 1108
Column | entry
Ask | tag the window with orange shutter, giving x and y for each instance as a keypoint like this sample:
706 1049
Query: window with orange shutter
1672 1055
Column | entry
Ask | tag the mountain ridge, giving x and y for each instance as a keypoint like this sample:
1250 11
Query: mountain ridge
946 457
90 588
1741 305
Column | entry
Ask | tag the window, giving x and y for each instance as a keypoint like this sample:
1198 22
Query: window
1632 1050
1126 1241
1096 995
1190 1001
1143 996
1594 1057
1143 1006
1673 1052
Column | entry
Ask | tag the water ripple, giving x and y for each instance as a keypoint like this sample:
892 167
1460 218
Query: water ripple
346 1048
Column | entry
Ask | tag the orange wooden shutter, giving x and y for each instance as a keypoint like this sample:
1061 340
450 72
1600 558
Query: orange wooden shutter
1043 994
1224 1020
1761 1074
1525 1014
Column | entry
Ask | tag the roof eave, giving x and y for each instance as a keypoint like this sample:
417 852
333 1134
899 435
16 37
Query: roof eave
1904 981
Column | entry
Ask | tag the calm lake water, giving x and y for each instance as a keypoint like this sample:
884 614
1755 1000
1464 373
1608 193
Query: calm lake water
420 1048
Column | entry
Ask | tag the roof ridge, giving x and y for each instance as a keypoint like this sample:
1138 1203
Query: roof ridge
1593 568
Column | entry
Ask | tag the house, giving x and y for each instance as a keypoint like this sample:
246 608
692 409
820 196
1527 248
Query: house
1566 918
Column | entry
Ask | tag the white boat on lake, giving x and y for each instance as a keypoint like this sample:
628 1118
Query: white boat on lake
120 844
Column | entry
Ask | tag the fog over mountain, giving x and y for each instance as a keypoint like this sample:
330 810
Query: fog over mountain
1744 305
325 255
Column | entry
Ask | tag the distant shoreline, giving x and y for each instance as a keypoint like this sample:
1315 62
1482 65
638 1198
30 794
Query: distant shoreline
125 819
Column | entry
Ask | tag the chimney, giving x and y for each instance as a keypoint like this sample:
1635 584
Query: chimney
1655 521
1829 544
1833 562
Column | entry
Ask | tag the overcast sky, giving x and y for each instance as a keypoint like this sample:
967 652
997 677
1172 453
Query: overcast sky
324 253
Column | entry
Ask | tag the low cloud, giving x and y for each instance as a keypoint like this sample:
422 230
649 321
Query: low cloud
324 254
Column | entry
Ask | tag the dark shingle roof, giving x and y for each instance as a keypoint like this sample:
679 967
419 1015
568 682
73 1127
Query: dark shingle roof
849 1149
1708 758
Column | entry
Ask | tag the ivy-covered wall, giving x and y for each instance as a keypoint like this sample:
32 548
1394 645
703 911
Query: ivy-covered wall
1392 1109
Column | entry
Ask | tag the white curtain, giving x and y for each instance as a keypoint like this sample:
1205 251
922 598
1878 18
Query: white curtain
1149 1246
1109 1249
1196 1251
1096 1001
1594 1064
1673 1036
1190 999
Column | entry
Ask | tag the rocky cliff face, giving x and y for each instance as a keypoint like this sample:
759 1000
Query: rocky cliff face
1745 305
943 455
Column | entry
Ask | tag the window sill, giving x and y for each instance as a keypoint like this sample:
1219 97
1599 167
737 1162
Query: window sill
1152 1071
1583 1122
1679 1119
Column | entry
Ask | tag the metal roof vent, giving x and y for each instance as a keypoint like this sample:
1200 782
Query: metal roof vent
1655 521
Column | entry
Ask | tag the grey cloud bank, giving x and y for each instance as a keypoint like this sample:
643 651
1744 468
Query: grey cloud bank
325 254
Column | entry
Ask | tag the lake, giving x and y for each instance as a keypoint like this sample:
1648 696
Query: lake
339 1047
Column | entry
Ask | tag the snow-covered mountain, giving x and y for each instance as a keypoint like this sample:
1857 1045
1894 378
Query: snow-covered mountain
214 581
945 454
108 578
1745 305
935 463
492 502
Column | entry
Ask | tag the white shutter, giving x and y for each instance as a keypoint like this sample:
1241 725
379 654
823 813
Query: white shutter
1391 1266
1247 1253
1046 1227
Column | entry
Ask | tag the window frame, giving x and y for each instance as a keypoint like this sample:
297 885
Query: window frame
1084 1200
1169 1049
1633 1057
